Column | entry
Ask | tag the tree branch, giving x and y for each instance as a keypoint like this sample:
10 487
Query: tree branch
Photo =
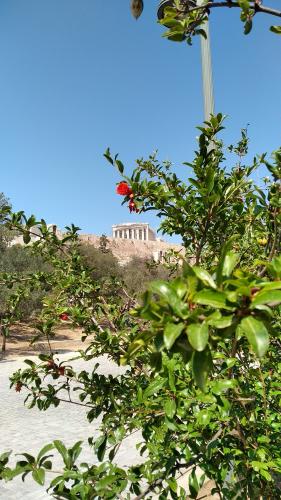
257 7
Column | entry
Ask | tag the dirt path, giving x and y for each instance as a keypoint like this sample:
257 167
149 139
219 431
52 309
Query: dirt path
21 335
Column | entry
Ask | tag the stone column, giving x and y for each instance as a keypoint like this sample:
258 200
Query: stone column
128 234
140 234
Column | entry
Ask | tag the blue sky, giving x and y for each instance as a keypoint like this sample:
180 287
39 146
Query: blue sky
80 75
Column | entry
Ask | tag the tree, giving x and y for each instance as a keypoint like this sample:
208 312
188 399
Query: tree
186 18
138 273
103 263
5 235
202 350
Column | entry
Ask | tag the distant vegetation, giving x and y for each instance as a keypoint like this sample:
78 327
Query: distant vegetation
20 261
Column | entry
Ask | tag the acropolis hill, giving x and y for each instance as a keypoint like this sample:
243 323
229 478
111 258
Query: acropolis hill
127 241
134 239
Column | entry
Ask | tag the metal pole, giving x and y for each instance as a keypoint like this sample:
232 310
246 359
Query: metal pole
207 74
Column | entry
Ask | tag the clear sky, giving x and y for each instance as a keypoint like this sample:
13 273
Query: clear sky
77 76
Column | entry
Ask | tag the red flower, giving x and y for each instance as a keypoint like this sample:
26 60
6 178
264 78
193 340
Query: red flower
61 370
124 189
133 207
18 386
64 317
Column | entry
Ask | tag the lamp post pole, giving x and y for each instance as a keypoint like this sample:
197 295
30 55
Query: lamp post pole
207 73
207 76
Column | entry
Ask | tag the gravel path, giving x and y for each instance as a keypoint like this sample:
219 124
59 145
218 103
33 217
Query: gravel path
28 430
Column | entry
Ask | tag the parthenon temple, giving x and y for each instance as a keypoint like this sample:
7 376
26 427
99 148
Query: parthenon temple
133 231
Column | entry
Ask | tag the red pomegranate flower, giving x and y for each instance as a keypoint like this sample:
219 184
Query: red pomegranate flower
64 317
124 189
61 370
133 207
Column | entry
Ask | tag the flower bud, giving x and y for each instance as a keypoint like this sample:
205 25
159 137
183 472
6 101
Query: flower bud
136 8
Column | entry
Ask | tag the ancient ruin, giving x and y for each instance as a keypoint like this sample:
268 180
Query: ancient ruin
133 231
128 240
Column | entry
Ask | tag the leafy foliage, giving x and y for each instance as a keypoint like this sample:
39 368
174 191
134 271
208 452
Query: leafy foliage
187 18
201 350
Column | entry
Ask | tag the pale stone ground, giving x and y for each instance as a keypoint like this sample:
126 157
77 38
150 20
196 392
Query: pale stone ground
28 430
24 430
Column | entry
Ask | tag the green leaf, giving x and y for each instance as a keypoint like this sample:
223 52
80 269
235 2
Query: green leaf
269 297
29 458
219 322
75 451
211 298
62 451
4 457
223 385
202 33
170 408
120 166
153 388
193 484
225 250
39 476
270 285
163 289
274 267
210 180
276 29
107 155
256 333
244 4
176 35
248 26
203 417
201 365
198 335
171 333
26 237
204 276
265 474
100 447
44 450
170 22
105 482
29 363
195 183
230 261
